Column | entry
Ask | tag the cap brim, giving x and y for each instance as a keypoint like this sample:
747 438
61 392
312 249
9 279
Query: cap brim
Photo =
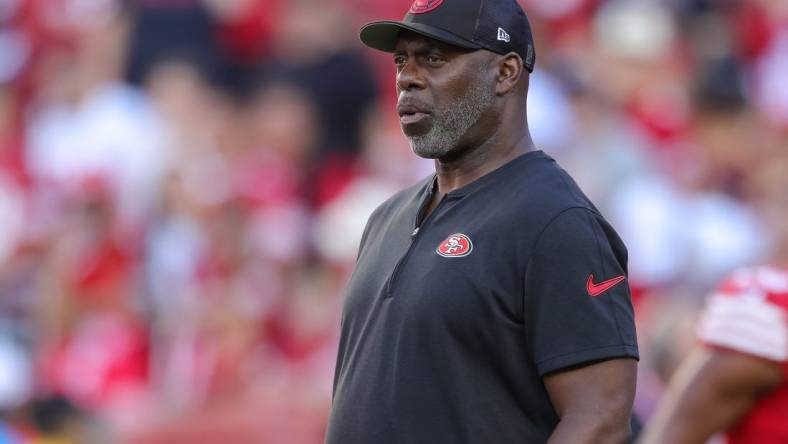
383 35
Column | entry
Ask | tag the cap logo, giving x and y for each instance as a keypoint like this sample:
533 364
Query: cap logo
422 6
503 35
456 245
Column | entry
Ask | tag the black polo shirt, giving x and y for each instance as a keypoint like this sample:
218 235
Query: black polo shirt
448 328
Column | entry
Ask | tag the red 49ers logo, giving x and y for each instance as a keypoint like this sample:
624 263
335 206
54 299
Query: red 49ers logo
422 6
456 245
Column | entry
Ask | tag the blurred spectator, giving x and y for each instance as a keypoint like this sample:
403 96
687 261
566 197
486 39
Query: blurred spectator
16 376
12 177
88 123
316 48
60 422
162 28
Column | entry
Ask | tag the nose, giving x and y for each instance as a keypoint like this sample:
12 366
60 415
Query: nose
410 76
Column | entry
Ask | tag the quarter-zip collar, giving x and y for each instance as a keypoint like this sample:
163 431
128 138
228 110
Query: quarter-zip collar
489 177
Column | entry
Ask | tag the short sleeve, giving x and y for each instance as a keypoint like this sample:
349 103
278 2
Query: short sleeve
745 323
577 307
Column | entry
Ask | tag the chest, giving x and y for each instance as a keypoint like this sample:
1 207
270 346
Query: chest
460 270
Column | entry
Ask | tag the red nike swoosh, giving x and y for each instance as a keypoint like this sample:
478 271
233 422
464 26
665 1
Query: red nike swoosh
597 289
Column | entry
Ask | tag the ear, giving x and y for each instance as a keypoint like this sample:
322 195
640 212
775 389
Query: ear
510 69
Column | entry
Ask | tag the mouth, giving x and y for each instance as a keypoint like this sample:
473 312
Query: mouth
411 115
412 119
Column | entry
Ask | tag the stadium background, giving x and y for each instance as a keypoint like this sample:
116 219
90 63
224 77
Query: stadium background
183 184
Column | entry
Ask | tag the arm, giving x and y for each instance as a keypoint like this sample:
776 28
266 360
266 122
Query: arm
593 402
582 341
711 392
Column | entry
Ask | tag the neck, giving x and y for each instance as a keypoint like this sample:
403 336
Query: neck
478 161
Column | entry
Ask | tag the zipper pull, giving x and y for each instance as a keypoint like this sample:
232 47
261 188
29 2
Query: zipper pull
415 232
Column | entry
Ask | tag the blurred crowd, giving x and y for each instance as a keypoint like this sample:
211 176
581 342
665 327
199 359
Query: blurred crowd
183 185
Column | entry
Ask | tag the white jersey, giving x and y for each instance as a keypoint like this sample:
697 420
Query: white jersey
749 314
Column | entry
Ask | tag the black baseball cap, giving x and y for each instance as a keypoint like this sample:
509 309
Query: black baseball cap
499 26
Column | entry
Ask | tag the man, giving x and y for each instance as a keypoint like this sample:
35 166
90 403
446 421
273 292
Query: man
488 303
736 381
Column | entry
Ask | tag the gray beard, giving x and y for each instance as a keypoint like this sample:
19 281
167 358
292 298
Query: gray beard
452 121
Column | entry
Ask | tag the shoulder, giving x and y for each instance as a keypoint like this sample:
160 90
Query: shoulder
544 197
541 189
766 283
748 313
402 199
393 209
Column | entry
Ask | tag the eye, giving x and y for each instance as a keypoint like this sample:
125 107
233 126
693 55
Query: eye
399 60
435 59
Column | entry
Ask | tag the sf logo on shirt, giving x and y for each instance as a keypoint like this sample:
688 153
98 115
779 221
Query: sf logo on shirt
456 245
